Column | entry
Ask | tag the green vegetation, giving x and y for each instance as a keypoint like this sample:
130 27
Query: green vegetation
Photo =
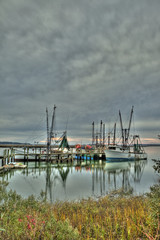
116 216
156 165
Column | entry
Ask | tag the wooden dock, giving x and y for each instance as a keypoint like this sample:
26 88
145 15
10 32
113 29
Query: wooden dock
38 153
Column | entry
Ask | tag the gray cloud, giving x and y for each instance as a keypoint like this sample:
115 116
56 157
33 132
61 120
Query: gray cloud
90 58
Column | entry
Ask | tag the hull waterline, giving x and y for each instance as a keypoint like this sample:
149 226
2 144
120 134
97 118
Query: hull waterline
118 155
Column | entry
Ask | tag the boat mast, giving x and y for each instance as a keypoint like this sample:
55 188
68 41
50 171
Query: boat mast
114 136
52 125
96 139
129 124
93 138
125 132
109 138
122 130
48 136
101 133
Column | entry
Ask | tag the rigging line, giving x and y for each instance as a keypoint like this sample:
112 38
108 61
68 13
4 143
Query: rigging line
31 138
34 135
41 120
67 123
37 137
134 129
36 127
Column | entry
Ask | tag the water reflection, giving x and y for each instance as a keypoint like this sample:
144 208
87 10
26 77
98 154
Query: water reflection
52 177
80 180
107 177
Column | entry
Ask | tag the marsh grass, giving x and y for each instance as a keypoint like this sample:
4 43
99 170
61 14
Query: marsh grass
116 216
110 218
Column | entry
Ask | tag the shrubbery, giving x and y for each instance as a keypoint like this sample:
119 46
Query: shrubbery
120 217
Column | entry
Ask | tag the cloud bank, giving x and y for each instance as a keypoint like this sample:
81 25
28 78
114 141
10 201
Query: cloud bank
90 58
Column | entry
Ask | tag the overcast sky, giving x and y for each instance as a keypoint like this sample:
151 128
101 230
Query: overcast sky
91 58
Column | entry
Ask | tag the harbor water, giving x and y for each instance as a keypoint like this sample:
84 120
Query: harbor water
83 179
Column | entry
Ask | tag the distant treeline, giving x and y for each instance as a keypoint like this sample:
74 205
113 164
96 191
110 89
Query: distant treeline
151 145
13 143
83 145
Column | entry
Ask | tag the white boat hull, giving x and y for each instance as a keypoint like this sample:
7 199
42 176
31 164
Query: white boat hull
118 155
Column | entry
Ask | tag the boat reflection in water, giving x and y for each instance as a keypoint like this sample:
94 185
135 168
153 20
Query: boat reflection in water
80 180
110 176
51 179
121 174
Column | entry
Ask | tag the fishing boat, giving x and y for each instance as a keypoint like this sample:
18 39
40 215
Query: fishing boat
118 155
56 144
125 151
137 148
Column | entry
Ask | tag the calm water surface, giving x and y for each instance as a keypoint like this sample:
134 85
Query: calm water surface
83 180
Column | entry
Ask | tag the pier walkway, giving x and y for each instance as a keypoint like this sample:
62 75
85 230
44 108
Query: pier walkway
38 152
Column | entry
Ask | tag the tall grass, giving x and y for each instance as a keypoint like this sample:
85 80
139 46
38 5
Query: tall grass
112 217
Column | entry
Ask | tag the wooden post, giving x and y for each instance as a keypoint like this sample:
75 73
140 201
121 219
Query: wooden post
81 155
8 157
40 155
72 155
12 155
24 153
27 153
4 157
35 153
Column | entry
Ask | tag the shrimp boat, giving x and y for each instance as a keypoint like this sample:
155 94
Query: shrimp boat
137 149
126 151
118 155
